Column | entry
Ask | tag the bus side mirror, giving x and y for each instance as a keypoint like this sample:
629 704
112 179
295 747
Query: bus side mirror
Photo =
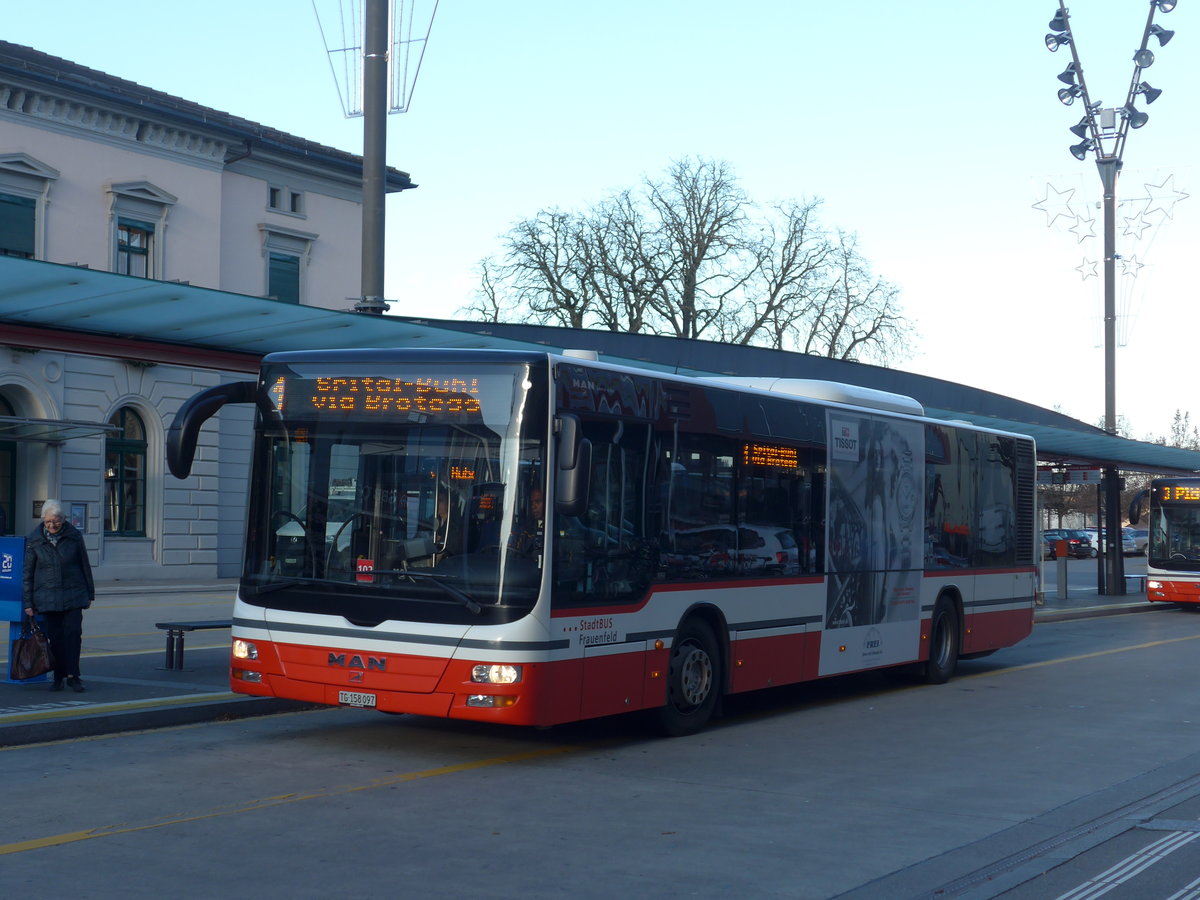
196 410
574 467
1135 506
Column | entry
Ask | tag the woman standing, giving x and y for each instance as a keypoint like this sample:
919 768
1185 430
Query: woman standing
58 585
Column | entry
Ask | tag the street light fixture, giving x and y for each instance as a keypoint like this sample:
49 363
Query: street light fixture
1150 93
1103 131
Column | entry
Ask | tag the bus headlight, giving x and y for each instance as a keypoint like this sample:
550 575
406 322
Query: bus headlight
244 650
496 674
1154 585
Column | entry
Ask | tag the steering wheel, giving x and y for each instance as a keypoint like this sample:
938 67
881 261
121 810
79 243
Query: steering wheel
333 544
288 514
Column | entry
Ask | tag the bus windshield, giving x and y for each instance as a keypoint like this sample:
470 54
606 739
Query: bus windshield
392 491
1174 541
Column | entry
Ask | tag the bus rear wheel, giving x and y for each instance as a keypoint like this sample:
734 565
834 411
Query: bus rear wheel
943 643
693 680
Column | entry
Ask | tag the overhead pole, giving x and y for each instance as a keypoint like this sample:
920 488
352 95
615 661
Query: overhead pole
375 99
1104 132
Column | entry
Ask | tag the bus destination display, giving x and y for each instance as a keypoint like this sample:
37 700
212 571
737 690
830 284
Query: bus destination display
1179 493
370 396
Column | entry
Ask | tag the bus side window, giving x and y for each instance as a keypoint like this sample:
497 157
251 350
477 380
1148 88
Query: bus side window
698 538
775 519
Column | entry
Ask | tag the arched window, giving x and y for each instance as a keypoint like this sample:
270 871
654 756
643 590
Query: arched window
125 475
8 475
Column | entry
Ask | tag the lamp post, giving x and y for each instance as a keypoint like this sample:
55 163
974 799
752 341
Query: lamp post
387 78
1103 132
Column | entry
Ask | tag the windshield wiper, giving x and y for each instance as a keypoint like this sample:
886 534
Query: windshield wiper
274 586
438 580
450 589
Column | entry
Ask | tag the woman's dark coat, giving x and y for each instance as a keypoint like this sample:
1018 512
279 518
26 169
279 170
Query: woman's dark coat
57 578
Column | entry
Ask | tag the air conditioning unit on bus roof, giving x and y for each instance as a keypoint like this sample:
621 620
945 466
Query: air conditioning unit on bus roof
831 391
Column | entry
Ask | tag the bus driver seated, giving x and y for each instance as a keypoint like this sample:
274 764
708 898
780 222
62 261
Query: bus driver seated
528 532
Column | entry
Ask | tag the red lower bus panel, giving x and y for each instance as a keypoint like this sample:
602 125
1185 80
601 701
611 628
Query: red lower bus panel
771 661
993 630
548 694
1173 591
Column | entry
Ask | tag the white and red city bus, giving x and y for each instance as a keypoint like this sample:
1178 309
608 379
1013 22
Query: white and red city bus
1173 545
532 538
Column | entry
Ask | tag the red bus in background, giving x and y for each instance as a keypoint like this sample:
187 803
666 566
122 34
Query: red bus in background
1173 545
532 538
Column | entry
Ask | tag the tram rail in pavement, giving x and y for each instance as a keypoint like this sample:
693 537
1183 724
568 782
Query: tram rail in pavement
129 688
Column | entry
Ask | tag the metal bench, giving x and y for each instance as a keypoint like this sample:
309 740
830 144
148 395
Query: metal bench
175 634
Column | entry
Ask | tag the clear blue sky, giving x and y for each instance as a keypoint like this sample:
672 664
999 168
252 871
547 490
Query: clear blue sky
930 129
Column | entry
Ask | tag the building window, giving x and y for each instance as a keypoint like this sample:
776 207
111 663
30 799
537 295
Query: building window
24 188
283 277
135 242
8 476
125 476
138 218
286 252
18 216
285 200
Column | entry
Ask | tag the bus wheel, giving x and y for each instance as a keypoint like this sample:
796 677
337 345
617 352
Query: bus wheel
943 643
693 680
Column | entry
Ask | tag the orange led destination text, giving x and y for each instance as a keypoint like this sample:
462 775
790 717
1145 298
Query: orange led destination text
770 455
425 395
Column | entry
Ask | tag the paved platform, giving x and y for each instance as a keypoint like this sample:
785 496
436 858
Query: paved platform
129 686
123 668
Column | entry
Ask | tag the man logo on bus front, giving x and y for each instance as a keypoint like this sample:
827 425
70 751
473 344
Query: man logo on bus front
374 663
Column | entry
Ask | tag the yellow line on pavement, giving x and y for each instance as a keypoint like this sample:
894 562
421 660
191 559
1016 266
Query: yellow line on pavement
92 709
71 837
1082 656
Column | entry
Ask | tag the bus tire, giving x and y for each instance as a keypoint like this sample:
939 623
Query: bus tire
693 680
944 636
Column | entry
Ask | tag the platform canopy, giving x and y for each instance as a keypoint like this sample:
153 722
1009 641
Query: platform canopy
78 303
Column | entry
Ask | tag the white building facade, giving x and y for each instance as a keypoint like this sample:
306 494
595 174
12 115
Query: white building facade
103 174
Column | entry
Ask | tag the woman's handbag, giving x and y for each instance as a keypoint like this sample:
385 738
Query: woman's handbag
30 656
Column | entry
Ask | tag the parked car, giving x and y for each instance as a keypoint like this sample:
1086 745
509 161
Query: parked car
1049 547
1079 545
1093 549
1128 544
1141 537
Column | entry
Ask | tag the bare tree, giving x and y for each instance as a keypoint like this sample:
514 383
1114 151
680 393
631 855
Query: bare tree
701 213
688 255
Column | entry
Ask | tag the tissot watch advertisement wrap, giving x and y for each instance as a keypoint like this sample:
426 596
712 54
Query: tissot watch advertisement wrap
874 541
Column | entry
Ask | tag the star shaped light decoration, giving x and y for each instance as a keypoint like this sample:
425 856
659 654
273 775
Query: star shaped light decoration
1083 228
1163 197
1088 268
1057 203
1135 225
1130 265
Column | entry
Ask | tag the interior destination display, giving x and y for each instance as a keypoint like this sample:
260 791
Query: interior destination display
770 455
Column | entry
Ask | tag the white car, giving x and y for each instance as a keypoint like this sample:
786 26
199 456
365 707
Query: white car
1128 545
